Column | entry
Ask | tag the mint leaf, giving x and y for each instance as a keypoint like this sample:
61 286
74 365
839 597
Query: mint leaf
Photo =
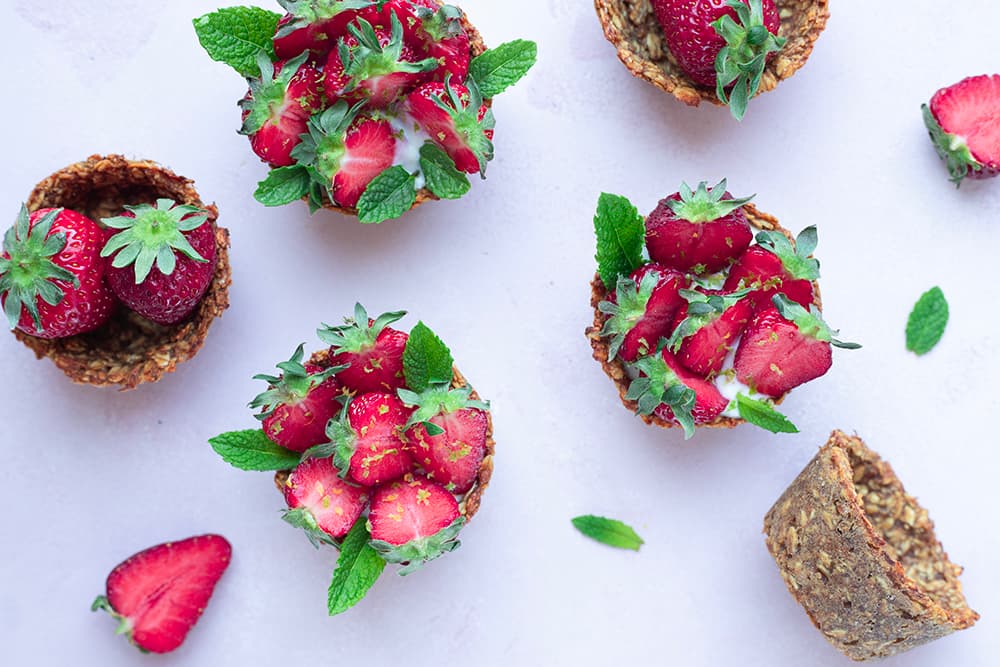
927 321
252 450
235 35
283 185
621 233
426 359
443 179
763 415
389 195
358 568
611 532
498 69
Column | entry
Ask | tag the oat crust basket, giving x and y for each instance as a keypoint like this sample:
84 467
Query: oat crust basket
129 350
860 555
631 26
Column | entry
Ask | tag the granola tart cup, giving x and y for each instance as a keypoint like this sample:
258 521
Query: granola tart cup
129 350
615 369
860 555
632 27
470 502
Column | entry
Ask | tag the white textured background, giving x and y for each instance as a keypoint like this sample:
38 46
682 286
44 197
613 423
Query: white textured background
91 476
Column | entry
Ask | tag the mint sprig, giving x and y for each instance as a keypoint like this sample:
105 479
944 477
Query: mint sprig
440 173
611 532
235 35
283 186
252 450
389 195
621 233
426 359
358 568
497 69
927 321
762 414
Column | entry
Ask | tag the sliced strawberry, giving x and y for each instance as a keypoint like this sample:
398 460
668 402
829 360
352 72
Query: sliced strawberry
371 351
414 520
962 121
457 120
298 404
368 441
665 388
160 593
322 503
714 323
314 25
642 310
277 108
776 266
701 231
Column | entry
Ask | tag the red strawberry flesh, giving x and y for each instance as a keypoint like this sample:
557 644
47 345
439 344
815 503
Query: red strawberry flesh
411 509
969 115
704 352
380 453
763 271
457 120
774 356
452 458
300 423
643 323
315 486
709 401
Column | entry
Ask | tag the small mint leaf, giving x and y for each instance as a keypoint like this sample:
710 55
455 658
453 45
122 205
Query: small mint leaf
443 179
235 35
283 186
498 69
611 532
389 195
763 415
927 321
358 568
252 450
621 233
426 359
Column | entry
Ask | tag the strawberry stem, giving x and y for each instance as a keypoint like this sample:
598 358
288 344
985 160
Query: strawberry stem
952 148
704 205
740 64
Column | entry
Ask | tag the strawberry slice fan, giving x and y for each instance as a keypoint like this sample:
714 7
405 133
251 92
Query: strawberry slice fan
366 107
380 447
697 325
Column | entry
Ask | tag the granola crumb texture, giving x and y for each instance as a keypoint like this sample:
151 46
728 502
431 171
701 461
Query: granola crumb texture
129 350
469 504
632 27
616 369
860 555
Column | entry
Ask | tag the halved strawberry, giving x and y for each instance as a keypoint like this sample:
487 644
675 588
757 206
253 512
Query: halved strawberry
701 231
298 404
665 388
314 25
641 310
371 350
412 521
277 107
440 30
322 503
714 323
962 121
158 594
785 346
457 120
775 266
368 442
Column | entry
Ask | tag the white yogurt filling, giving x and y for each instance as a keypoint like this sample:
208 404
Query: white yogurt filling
730 387
410 137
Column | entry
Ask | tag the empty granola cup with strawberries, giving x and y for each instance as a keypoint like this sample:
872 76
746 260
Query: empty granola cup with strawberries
115 270
365 107
381 448
697 325
719 51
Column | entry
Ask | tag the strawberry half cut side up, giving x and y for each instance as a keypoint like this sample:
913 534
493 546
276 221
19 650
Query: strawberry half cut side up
321 503
443 36
158 594
313 25
371 350
457 120
963 123
642 311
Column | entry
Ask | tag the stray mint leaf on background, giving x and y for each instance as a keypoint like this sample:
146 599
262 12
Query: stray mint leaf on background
927 321
443 178
426 359
621 233
764 415
498 69
283 186
389 195
235 35
358 568
611 532
252 450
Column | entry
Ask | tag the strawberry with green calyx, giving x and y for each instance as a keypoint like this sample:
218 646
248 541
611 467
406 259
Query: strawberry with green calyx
298 403
713 324
321 502
413 521
444 38
961 120
52 274
371 350
164 259
701 231
785 346
642 310
277 107
457 120
314 25
776 266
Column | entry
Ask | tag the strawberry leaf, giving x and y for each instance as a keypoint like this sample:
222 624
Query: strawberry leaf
764 415
927 322
283 186
426 359
443 179
358 568
389 195
621 233
252 450
235 35
611 532
498 69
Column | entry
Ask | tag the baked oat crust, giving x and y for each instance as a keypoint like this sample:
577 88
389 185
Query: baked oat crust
860 555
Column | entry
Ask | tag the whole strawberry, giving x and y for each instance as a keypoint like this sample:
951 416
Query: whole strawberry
158 594
298 404
322 503
164 259
457 120
52 274
723 44
368 442
642 310
371 350
412 521
962 121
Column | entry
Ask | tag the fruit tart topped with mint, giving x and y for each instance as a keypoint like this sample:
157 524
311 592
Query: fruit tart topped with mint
695 322
367 107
